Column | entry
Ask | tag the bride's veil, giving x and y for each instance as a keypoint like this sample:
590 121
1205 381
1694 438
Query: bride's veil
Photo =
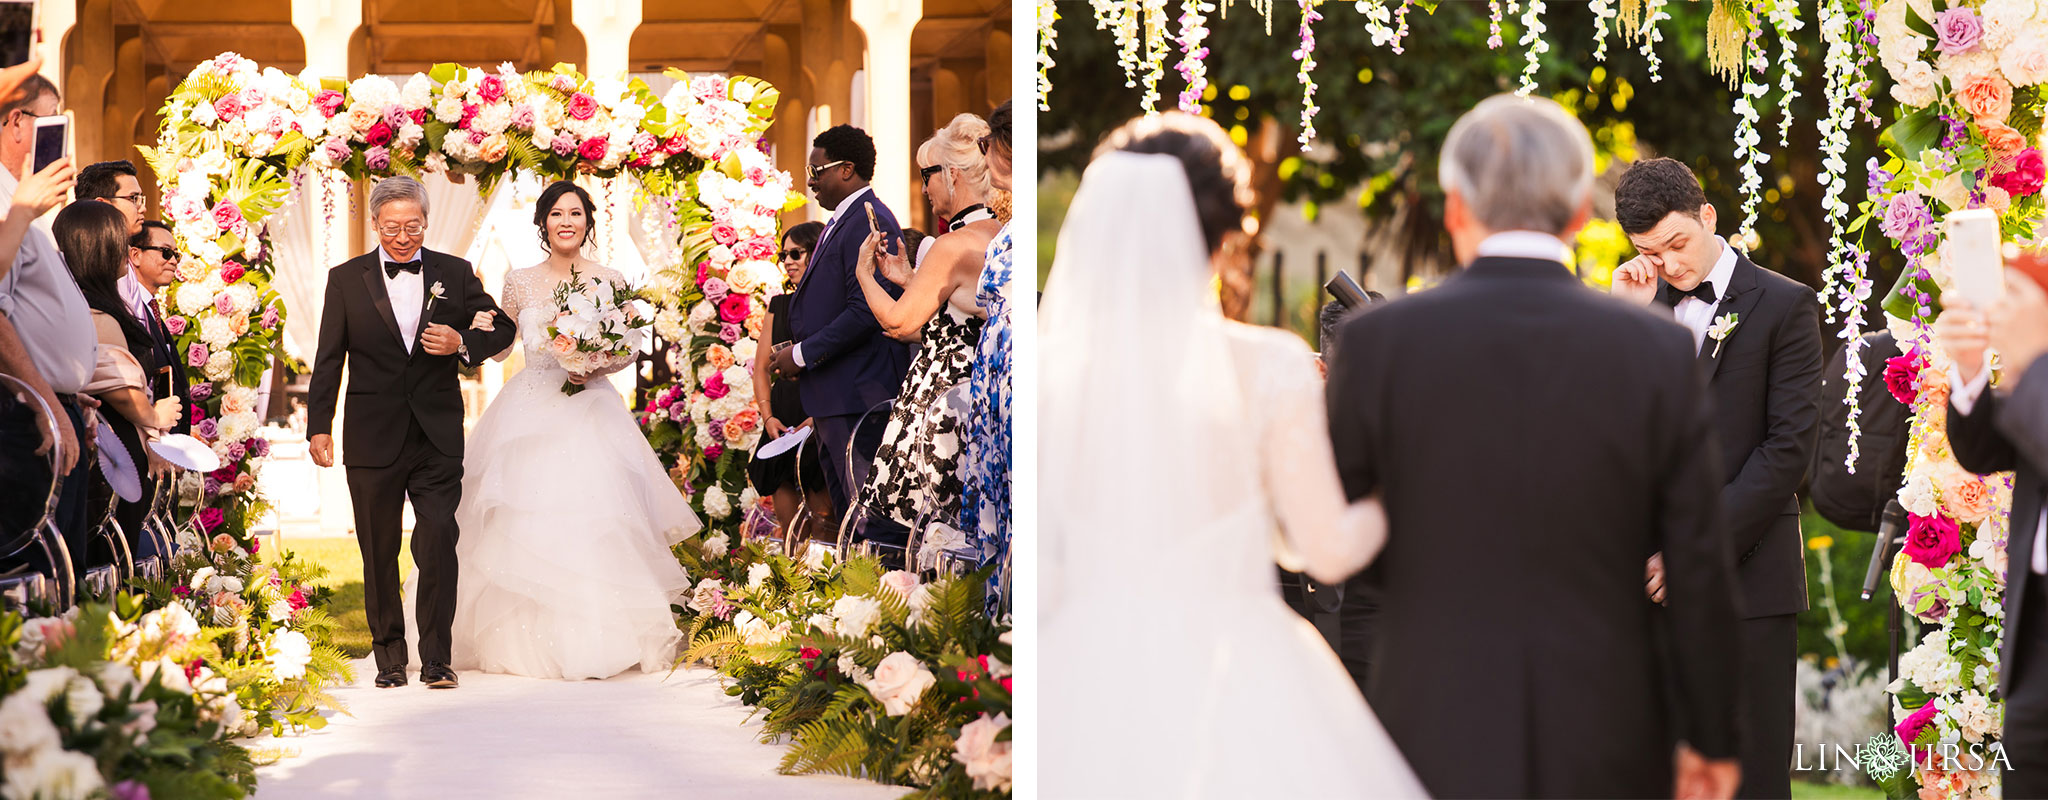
1143 437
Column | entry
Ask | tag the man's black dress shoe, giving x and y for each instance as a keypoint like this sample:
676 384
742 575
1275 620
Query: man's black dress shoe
390 677
438 676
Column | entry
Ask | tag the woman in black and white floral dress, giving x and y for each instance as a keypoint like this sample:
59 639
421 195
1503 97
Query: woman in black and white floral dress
916 471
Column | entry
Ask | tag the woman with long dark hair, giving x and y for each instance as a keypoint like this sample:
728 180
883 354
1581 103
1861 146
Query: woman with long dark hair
782 406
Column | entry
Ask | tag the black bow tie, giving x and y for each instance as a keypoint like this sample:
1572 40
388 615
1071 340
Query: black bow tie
1703 293
392 268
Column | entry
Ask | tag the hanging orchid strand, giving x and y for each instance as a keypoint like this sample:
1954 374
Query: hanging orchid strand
1306 55
1158 44
1192 53
1532 38
1493 24
1784 15
1401 25
1603 11
1047 15
1378 21
1747 139
1653 13
1120 18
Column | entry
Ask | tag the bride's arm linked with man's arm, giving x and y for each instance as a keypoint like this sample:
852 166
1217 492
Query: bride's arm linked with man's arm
1322 535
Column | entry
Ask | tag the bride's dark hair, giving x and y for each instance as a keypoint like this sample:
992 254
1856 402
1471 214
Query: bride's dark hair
1218 176
552 195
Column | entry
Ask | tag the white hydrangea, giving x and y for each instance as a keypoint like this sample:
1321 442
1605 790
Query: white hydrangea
237 427
376 90
448 110
216 332
192 298
493 118
54 772
748 497
419 91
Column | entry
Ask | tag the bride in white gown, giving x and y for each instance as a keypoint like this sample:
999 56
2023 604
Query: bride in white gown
567 516
1179 444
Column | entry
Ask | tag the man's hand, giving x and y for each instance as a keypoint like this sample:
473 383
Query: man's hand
44 190
1635 281
1699 778
783 363
13 77
322 447
1653 578
1963 333
440 340
2019 325
67 439
485 321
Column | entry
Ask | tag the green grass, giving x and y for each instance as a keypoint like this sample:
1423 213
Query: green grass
344 563
1806 790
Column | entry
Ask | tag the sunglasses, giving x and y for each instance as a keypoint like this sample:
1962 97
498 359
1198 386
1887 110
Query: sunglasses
793 254
168 252
985 143
927 172
813 169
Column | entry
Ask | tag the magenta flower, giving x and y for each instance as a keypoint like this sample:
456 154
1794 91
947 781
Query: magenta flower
329 101
582 106
1902 376
1910 728
232 272
379 134
715 388
1932 541
593 149
733 308
211 518
129 790
258 446
228 107
2025 177
714 451
491 88
228 217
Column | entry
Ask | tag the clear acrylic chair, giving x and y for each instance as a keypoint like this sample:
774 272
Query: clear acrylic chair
20 582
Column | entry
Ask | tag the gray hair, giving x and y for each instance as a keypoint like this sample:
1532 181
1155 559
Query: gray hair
1520 163
394 189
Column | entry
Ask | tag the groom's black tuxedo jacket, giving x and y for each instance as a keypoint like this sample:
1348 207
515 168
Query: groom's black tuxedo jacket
1534 441
388 387
1765 384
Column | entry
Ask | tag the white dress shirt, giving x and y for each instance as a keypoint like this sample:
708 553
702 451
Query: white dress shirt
1697 314
41 298
132 294
840 213
1525 244
407 292
1964 395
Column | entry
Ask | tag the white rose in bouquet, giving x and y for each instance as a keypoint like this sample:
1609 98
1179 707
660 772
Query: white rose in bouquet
821 622
987 760
116 678
717 545
717 506
1916 87
289 653
853 614
920 602
172 675
83 698
25 727
899 681
902 582
53 774
756 631
280 611
758 574
816 557
700 598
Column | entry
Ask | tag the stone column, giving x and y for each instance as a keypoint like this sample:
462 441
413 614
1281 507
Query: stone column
607 28
58 19
888 25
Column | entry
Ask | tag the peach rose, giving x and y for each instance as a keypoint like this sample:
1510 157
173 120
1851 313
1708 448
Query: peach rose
244 482
734 431
238 324
2000 136
1967 499
563 345
362 118
754 327
223 543
493 149
1986 95
719 357
748 419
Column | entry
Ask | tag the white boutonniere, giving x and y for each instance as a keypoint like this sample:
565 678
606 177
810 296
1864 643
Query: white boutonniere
439 293
1723 325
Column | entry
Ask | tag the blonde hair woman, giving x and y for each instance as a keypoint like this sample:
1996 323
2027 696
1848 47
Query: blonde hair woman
915 476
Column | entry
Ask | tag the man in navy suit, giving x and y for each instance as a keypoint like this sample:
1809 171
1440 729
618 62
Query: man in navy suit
843 363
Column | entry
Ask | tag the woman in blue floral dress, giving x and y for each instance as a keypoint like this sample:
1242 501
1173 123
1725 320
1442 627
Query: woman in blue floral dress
985 507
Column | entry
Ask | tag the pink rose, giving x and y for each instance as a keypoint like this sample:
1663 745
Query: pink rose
1986 95
899 681
2026 175
758 249
469 111
582 106
229 106
715 388
733 308
674 145
224 303
522 117
563 83
329 101
2025 62
196 357
232 272
1932 541
419 116
1957 30
901 582
593 149
228 217
563 345
175 324
565 144
714 451
2001 137
212 518
724 234
715 289
491 88
377 158
729 333
270 317
379 134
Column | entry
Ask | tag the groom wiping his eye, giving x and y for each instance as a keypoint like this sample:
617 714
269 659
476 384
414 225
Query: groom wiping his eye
1758 342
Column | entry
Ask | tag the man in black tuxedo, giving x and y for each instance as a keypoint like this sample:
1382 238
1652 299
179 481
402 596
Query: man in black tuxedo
843 363
1994 430
153 264
399 317
1535 441
1757 340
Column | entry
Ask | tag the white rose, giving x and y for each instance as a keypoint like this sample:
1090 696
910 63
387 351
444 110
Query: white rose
920 602
116 678
1916 87
700 598
987 760
25 727
758 574
419 91
53 773
755 631
741 91
203 115
853 614
289 653
717 544
717 506
899 681
280 611
903 583
1917 495
821 622
816 557
172 675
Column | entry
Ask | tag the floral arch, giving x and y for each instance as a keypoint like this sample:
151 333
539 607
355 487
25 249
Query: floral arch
236 138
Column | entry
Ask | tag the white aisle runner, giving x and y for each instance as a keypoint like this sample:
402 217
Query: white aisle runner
503 737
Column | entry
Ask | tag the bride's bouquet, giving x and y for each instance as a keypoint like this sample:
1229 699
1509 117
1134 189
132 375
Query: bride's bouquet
597 325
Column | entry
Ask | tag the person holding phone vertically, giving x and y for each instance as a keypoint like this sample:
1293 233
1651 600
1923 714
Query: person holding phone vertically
1757 337
843 362
37 292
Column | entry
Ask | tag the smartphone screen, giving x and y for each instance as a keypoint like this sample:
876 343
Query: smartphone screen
51 135
17 31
